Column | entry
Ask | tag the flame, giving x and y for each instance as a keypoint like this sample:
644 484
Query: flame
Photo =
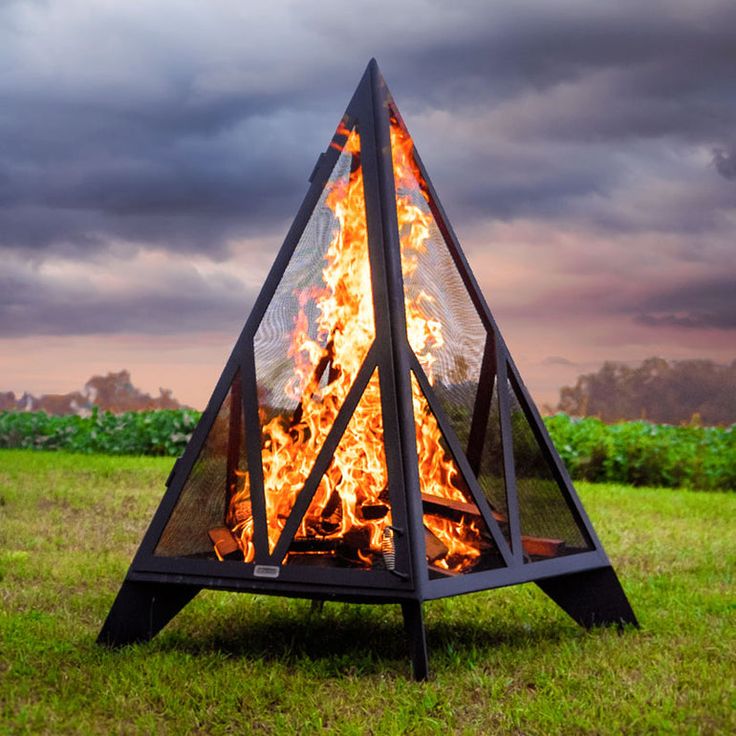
438 474
325 368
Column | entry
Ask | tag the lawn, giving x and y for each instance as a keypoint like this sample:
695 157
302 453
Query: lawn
505 661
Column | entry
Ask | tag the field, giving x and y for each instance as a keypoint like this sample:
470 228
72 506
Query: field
505 661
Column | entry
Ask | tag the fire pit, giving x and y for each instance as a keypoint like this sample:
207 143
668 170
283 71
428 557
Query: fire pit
370 438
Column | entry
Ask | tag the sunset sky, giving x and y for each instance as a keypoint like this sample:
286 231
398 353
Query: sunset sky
153 155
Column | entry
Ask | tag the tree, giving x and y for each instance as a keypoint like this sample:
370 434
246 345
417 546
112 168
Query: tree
657 390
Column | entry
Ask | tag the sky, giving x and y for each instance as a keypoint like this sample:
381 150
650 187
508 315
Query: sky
153 155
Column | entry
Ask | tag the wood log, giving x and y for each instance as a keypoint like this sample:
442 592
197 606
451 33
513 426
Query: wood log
313 545
225 543
371 511
434 546
453 510
242 511
448 508
541 547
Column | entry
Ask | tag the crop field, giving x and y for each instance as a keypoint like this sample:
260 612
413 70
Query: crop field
503 661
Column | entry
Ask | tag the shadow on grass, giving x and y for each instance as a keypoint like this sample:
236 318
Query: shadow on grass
353 639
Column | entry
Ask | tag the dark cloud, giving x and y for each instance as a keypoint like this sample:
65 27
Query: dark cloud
168 302
704 305
188 147
123 130
725 163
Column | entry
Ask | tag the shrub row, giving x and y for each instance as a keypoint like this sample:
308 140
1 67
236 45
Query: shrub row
639 453
162 432
642 453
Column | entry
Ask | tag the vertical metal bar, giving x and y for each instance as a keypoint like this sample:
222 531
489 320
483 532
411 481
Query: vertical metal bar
414 627
253 452
482 407
234 439
509 470
383 345
397 319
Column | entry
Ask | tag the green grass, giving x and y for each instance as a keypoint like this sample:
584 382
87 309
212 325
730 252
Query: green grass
505 661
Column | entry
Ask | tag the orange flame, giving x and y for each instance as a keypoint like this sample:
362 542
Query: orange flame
325 368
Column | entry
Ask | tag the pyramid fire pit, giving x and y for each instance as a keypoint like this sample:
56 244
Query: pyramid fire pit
370 438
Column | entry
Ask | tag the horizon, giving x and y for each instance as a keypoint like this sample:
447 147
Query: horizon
586 163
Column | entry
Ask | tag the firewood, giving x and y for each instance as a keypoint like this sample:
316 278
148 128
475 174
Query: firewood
371 511
448 508
243 511
435 547
225 543
541 547
313 545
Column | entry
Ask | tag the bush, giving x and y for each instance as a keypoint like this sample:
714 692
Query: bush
638 453
641 453
163 432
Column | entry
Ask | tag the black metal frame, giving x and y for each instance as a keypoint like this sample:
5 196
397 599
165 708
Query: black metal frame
583 584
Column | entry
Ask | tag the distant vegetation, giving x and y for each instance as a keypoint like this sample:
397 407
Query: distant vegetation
659 391
163 432
639 453
642 453
113 392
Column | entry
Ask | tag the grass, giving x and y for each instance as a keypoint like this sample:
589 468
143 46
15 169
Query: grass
505 661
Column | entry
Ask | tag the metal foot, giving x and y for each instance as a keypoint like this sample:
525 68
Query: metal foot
141 610
592 597
414 627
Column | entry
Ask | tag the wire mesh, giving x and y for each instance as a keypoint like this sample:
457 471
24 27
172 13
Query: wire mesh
443 325
457 539
202 503
548 526
314 336
491 476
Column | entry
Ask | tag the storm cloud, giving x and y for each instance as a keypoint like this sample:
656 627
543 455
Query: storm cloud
187 130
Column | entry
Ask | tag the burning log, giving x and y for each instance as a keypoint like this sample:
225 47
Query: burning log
434 546
226 545
327 360
459 510
313 545
448 508
370 511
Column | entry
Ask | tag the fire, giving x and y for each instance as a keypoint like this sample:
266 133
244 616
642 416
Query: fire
350 506
438 474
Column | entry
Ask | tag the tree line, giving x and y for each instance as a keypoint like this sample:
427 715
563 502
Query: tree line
668 392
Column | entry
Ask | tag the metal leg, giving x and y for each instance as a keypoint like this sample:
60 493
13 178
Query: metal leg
141 610
414 627
592 597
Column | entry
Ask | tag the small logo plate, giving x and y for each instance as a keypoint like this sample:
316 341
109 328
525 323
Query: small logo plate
266 571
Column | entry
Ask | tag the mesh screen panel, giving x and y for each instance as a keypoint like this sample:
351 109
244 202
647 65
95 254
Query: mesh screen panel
548 527
457 539
202 504
346 522
445 331
491 478
314 336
